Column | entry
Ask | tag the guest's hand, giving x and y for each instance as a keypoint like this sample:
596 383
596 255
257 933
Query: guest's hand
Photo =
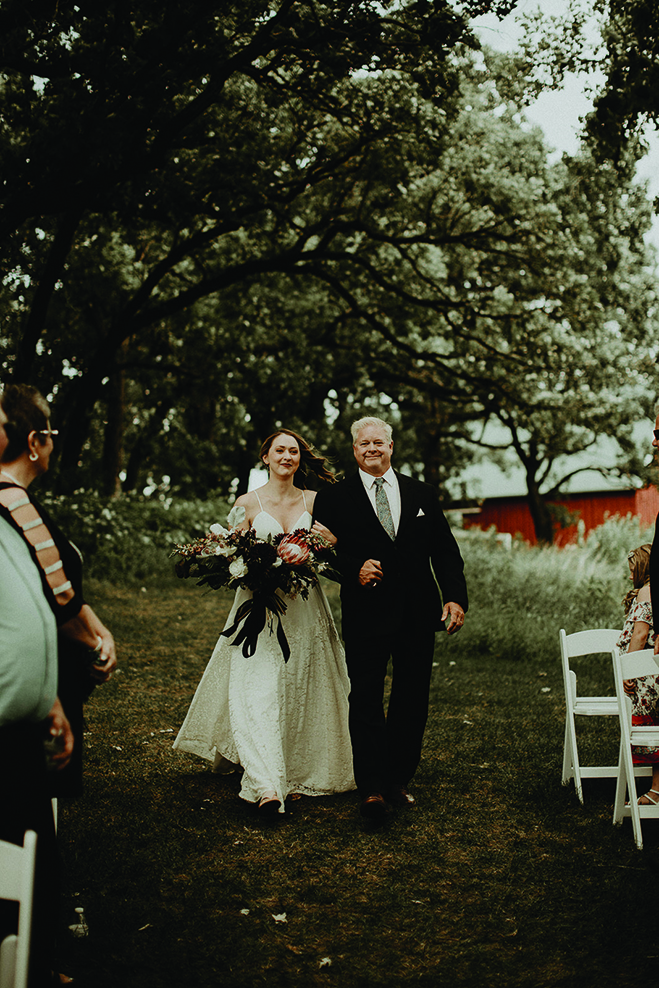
629 686
370 573
106 663
325 532
456 614
59 727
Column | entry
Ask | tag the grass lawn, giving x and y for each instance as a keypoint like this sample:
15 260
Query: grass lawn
497 877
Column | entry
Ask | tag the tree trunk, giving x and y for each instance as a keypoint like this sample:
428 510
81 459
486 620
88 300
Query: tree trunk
51 271
543 522
113 440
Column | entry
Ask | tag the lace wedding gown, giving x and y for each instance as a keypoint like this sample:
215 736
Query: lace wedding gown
286 724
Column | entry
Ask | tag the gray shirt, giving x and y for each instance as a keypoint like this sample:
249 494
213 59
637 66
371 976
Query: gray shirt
28 635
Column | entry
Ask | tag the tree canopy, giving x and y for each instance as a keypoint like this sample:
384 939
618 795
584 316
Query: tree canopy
215 222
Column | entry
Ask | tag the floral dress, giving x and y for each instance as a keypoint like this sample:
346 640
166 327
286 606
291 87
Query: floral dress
645 702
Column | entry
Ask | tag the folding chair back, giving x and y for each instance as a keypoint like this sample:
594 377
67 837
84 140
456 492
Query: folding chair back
580 643
632 665
17 884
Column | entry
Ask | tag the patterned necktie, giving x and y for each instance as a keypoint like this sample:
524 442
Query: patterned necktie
383 509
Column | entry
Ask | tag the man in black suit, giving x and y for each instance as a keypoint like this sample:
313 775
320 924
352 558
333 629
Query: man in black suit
390 530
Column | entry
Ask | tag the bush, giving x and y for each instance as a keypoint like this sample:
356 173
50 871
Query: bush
128 540
613 540
520 597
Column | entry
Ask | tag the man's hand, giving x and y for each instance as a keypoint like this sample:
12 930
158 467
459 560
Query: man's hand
456 614
370 573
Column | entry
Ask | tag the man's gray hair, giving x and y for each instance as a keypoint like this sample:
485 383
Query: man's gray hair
370 421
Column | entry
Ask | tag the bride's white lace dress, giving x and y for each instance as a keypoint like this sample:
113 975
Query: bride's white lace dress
286 724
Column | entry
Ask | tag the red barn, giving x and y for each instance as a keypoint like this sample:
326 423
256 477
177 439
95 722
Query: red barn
511 514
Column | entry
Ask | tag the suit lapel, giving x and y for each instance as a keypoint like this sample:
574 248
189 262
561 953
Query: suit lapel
408 505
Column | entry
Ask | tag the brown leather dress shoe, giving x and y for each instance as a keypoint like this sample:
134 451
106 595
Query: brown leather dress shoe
399 796
374 808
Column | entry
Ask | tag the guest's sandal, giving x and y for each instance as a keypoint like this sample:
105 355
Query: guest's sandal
649 800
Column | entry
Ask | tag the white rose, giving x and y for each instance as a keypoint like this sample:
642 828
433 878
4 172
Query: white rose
238 568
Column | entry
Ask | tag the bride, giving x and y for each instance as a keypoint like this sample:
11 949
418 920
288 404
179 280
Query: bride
286 724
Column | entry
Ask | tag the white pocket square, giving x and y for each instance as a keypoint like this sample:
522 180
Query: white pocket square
421 513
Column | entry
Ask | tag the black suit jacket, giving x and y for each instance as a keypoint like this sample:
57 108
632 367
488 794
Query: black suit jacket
408 592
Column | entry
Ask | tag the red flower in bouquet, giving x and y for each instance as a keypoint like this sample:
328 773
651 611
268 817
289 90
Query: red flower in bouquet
294 549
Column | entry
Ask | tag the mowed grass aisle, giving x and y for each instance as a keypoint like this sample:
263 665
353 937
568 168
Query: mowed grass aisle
497 877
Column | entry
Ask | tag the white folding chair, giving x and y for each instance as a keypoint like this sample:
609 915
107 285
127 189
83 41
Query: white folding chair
632 665
585 643
17 884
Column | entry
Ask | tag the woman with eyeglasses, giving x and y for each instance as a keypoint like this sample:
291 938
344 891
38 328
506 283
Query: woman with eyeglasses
86 651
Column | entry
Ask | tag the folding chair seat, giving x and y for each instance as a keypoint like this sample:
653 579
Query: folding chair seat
17 884
632 665
582 643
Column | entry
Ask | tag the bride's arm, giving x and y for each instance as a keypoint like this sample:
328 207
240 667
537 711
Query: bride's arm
317 527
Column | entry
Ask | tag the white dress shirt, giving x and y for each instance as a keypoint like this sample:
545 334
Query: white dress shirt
391 489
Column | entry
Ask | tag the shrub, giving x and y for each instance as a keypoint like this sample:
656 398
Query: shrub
613 540
129 539
520 597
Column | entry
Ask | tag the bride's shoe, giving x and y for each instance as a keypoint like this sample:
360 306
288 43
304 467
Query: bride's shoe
269 804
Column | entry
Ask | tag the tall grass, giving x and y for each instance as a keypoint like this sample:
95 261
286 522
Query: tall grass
522 596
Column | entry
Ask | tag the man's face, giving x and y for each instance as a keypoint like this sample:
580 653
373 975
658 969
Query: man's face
3 434
372 451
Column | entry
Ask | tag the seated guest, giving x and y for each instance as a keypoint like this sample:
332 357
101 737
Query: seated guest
639 633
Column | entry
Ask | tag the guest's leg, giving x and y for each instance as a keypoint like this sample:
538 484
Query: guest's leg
367 660
25 805
408 704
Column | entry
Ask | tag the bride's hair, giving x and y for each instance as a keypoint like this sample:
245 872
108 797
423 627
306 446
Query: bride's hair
639 564
311 461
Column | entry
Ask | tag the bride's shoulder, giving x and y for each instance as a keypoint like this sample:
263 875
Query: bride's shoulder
251 506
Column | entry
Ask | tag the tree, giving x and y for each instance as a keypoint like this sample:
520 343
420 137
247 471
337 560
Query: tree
550 324
193 139
616 39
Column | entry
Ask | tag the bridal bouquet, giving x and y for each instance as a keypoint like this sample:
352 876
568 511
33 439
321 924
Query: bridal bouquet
286 565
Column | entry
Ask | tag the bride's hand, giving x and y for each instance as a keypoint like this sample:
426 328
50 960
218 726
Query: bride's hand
325 532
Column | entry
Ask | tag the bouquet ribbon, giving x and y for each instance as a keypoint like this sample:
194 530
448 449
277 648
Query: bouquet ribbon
253 614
